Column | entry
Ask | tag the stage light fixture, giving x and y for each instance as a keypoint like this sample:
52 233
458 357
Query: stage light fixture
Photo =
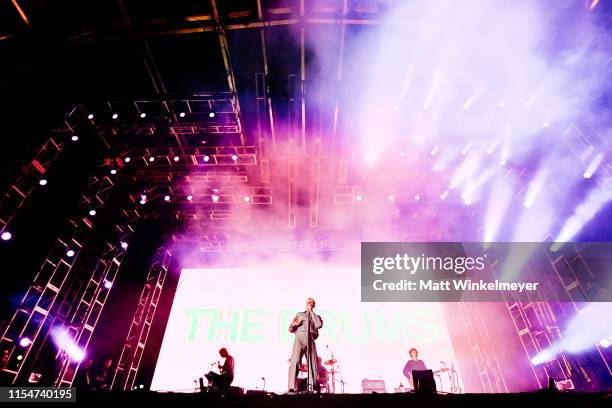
92 212
143 115
358 198
127 159
234 157
182 114
143 196
75 353
108 284
42 182
74 138
417 197
25 342
90 116
151 159
247 198
115 116
70 253
593 166
113 171
19 357
502 104
189 198
402 154
6 236
605 343
391 197
124 244
211 115
167 198
176 158
206 158
215 198
143 202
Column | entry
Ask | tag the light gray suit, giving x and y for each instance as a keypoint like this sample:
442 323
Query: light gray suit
300 344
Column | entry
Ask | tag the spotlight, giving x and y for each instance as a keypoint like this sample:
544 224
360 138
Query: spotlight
74 138
25 342
234 157
113 171
92 212
417 197
42 182
247 198
75 353
167 198
19 357
176 158
108 284
358 198
402 154
143 201
124 244
151 159
189 198
90 116
211 115
141 386
182 114
115 116
215 198
143 115
605 343
143 197
391 197
206 158
127 159
70 253
6 236
593 166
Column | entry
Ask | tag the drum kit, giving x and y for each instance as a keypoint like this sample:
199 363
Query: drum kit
328 379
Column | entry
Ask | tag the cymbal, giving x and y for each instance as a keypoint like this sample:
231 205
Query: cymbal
331 361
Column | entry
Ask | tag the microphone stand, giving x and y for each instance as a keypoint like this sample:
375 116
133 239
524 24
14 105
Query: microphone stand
309 386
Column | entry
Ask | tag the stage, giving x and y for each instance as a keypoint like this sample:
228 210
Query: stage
540 399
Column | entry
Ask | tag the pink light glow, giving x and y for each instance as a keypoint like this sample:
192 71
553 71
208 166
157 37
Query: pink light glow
248 311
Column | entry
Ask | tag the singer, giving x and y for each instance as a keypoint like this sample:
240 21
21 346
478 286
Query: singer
223 380
306 327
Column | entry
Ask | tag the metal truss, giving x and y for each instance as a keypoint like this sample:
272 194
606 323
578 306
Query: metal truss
81 324
538 323
483 350
47 300
138 334
30 174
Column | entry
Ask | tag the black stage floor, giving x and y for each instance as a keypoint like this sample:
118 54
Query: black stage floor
541 399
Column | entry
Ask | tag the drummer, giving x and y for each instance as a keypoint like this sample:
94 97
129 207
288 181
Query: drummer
322 374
